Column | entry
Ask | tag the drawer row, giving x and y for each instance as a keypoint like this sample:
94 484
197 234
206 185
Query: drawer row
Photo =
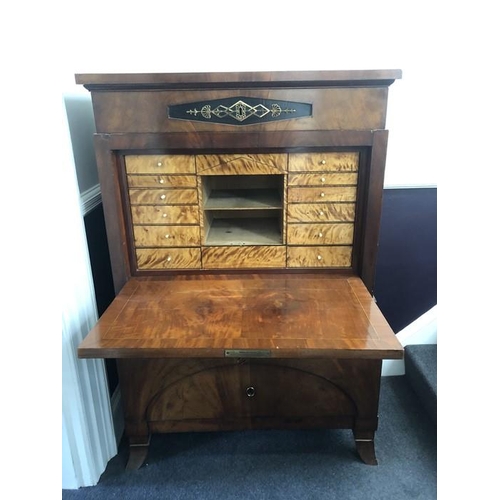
189 236
189 196
146 181
296 213
230 257
242 164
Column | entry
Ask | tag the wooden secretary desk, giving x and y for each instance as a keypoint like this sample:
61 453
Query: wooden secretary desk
242 212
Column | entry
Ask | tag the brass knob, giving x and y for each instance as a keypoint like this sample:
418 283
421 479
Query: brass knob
321 212
323 162
162 197
319 257
250 392
320 235
322 194
167 236
169 258
159 163
161 181
164 215
323 179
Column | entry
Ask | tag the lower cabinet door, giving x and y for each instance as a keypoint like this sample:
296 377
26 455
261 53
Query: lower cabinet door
220 397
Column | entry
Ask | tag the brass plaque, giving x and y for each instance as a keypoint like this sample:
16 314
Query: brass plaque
247 353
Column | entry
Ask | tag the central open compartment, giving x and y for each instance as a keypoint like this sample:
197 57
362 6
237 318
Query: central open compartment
243 210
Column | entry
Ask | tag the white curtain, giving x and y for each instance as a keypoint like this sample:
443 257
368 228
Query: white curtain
87 425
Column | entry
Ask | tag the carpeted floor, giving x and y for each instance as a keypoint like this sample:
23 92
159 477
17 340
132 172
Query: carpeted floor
288 465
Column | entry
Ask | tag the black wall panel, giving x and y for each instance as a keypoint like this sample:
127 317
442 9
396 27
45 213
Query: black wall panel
406 272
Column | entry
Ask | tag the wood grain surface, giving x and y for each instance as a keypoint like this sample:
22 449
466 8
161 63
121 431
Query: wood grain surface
158 181
156 164
324 162
166 236
319 256
321 212
291 315
236 257
241 164
320 234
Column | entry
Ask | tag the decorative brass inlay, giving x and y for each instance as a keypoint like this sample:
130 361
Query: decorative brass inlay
240 110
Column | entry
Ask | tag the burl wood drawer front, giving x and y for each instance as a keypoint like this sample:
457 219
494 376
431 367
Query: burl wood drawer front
163 196
320 234
243 257
156 164
171 258
321 212
328 162
320 256
166 236
159 181
242 391
315 194
241 164
182 214
323 179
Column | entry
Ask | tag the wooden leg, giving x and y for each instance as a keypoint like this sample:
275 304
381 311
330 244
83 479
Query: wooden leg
366 451
137 454
366 446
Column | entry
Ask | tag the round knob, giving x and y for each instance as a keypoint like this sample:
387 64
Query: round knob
321 212
169 258
159 163
161 181
323 179
167 236
320 235
162 197
322 195
250 392
323 162
164 215
319 257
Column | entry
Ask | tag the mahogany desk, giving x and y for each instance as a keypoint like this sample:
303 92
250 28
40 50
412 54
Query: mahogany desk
242 212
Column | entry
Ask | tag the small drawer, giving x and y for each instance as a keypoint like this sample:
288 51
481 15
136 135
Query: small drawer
320 234
153 214
327 162
168 258
159 181
321 212
232 257
166 236
315 194
155 164
241 164
323 179
163 196
328 256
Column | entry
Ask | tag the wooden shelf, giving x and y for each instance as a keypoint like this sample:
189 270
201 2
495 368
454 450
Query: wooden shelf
243 199
245 231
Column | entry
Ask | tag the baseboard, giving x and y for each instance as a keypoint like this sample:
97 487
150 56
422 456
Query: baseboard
90 199
117 412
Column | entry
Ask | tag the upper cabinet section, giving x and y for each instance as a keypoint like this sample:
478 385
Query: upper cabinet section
273 101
